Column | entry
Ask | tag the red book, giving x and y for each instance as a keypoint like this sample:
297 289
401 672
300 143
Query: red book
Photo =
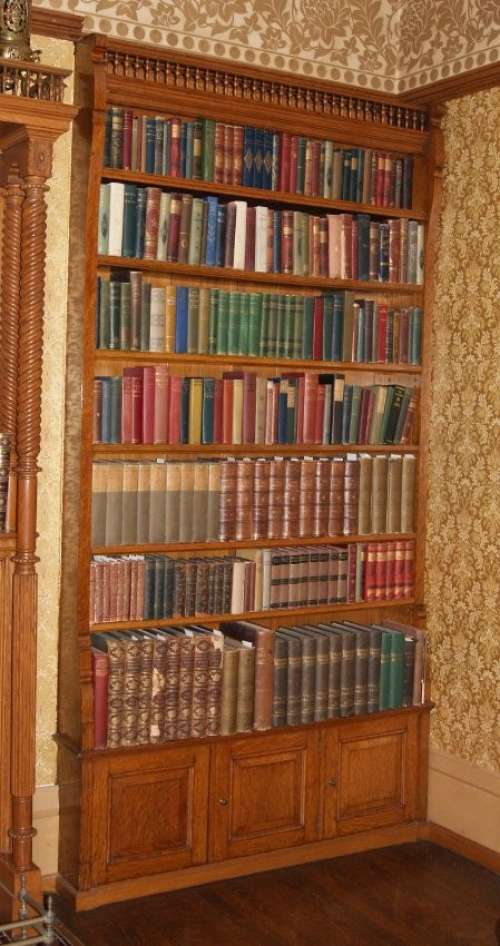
100 674
323 246
287 241
294 155
218 410
407 433
351 572
161 397
308 169
153 195
227 175
227 410
319 413
317 345
409 560
399 569
132 395
174 409
369 579
219 153
127 140
346 246
148 403
380 569
250 240
386 196
366 399
382 332
316 156
174 227
284 179
175 147
390 571
237 164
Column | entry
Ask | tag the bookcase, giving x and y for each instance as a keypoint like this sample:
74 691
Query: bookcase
140 817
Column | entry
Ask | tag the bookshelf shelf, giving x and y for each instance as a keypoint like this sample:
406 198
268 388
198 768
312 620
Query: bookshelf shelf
276 613
248 543
159 268
256 194
112 356
294 449
116 801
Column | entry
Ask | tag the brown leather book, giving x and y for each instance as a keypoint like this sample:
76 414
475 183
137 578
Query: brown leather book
291 499
100 675
131 683
336 497
172 680
379 493
280 672
201 650
321 497
229 686
351 494
214 690
244 499
185 692
262 638
306 500
153 197
114 498
365 494
158 685
227 522
408 493
144 687
99 503
394 493
245 695
276 491
260 499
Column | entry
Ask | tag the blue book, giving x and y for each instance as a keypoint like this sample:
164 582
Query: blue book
258 163
353 185
346 412
185 410
276 241
115 387
360 337
181 319
363 246
282 413
383 259
165 161
220 236
212 204
141 223
337 326
267 169
150 145
207 417
248 155
103 432
129 220
361 174
275 172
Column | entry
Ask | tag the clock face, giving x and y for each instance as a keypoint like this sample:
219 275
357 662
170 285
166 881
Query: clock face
14 15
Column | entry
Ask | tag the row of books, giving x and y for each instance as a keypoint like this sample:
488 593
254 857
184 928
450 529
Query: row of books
4 478
133 314
150 223
205 150
232 499
149 405
150 587
190 681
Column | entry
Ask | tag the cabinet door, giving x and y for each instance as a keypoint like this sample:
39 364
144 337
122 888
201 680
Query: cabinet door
264 794
149 812
369 774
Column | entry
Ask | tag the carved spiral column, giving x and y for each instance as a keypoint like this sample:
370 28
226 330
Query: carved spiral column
25 577
9 323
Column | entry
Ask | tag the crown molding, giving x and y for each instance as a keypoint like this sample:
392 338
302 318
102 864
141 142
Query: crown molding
476 80
57 24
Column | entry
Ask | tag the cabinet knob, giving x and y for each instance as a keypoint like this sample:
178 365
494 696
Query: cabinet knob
332 782
223 802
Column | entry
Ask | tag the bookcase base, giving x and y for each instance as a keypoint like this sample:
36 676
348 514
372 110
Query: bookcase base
237 867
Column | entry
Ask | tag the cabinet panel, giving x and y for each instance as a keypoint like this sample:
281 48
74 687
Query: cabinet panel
151 817
264 794
370 775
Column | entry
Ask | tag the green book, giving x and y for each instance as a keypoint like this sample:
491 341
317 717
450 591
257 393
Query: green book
223 323
280 327
194 318
244 317
196 231
396 673
415 333
207 148
264 325
212 321
297 326
307 337
385 670
129 220
301 165
125 299
288 327
354 418
272 337
104 313
233 323
254 302
114 313
380 437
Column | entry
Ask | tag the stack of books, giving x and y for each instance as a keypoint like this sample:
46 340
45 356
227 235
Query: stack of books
150 405
153 224
238 499
203 149
160 685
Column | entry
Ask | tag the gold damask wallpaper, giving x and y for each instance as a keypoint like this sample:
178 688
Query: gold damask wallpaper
463 600
381 44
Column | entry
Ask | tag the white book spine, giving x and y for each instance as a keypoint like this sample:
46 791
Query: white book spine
157 319
240 234
261 225
116 205
161 251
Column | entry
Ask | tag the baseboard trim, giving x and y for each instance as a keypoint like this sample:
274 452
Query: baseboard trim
464 846
117 891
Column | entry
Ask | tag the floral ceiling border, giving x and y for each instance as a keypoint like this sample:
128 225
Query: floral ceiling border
390 45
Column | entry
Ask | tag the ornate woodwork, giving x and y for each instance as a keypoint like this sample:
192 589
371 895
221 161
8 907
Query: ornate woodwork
28 128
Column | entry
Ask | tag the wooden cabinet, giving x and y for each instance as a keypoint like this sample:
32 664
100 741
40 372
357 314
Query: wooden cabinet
264 794
149 817
369 775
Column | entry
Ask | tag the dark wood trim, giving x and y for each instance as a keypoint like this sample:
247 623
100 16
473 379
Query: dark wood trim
484 77
473 851
57 24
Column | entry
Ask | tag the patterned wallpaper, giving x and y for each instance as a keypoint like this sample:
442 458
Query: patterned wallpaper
463 599
381 44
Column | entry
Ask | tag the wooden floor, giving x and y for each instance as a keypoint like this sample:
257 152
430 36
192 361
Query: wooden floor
412 895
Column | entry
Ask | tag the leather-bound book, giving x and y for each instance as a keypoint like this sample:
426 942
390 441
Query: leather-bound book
201 650
158 684
113 473
347 668
293 676
361 669
276 492
334 668
173 638
184 228
321 671
229 686
379 493
409 569
153 197
260 499
244 499
408 493
308 673
214 686
365 494
351 494
185 692
306 497
131 681
321 497
336 497
280 673
291 499
262 638
100 675
227 516
394 493
419 637
144 687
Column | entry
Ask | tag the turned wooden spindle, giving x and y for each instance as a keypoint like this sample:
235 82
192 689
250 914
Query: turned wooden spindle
25 577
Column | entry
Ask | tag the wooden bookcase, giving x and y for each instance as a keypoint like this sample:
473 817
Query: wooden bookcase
149 818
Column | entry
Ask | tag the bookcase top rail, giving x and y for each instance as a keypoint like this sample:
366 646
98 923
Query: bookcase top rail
273 279
252 544
255 194
237 449
105 355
